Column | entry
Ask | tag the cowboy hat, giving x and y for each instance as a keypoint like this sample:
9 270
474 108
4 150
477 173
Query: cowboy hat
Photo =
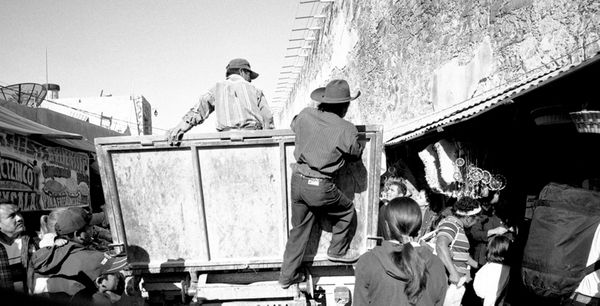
240 63
337 91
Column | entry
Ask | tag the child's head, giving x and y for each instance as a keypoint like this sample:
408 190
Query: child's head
394 187
497 249
47 222
403 218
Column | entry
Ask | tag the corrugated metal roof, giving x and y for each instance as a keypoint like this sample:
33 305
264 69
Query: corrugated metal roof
477 105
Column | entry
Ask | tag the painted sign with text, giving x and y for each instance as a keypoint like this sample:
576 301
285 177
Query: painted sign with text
39 177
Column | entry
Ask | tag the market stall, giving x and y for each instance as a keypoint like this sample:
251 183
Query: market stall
517 140
41 168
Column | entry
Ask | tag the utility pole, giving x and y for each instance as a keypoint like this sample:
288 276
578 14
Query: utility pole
46 66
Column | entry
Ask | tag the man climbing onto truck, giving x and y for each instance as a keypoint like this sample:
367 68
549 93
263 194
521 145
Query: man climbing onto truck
238 104
324 143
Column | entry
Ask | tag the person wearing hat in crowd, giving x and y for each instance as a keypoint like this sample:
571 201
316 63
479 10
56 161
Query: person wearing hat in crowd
324 143
238 104
16 249
62 271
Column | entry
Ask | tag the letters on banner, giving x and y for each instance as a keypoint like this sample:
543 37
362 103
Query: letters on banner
39 177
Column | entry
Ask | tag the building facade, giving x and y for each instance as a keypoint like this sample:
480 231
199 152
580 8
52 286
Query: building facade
414 58
128 115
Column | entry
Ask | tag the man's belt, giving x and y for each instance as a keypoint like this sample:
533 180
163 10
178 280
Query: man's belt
312 178
585 299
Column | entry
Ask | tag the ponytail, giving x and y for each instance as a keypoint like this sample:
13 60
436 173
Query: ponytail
413 266
403 218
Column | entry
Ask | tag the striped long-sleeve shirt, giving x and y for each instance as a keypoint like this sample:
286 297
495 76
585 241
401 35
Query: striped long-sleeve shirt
323 142
238 105
453 228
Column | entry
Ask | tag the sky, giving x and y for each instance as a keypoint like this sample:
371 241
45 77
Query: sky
168 51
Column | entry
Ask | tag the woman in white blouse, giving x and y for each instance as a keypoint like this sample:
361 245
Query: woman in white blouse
491 280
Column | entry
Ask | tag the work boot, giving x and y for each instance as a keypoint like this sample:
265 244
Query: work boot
350 257
286 283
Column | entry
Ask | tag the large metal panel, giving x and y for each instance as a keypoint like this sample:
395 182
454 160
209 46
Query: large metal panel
243 201
220 200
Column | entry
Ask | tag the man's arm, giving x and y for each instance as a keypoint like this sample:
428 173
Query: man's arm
196 115
472 262
354 148
265 112
443 252
293 124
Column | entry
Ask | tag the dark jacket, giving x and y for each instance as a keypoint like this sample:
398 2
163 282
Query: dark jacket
478 237
379 280
70 268
30 245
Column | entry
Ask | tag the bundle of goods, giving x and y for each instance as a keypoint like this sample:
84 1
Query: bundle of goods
564 223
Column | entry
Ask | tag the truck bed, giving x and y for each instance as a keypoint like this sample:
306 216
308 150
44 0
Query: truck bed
220 201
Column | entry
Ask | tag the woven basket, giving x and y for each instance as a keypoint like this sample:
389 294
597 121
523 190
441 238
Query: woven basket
550 115
586 121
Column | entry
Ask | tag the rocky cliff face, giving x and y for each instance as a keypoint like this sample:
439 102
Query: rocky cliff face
413 57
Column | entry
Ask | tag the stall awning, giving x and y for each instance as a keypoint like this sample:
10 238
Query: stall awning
477 105
23 126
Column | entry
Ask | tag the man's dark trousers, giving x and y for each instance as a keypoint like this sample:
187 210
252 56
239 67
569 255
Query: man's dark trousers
311 197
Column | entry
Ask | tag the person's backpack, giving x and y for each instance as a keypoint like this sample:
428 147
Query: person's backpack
560 237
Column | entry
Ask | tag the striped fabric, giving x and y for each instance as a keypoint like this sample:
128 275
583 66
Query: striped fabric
452 228
323 142
6 280
238 104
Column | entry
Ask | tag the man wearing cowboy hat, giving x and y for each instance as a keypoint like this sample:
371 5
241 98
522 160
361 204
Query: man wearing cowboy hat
238 104
324 143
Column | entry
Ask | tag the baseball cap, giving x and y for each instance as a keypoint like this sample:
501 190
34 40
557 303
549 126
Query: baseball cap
70 220
242 64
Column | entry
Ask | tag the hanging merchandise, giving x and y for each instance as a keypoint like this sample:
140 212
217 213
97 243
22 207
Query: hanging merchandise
428 158
477 182
498 182
452 169
446 153
439 161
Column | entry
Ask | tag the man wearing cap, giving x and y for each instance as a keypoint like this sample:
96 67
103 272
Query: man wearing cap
16 249
324 143
63 271
238 104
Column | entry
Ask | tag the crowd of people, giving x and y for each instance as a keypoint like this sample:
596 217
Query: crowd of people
67 262
459 256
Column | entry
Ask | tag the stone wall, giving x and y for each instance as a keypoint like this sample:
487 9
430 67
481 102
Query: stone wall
414 57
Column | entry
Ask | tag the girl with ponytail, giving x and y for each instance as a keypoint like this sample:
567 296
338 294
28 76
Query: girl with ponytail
400 271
